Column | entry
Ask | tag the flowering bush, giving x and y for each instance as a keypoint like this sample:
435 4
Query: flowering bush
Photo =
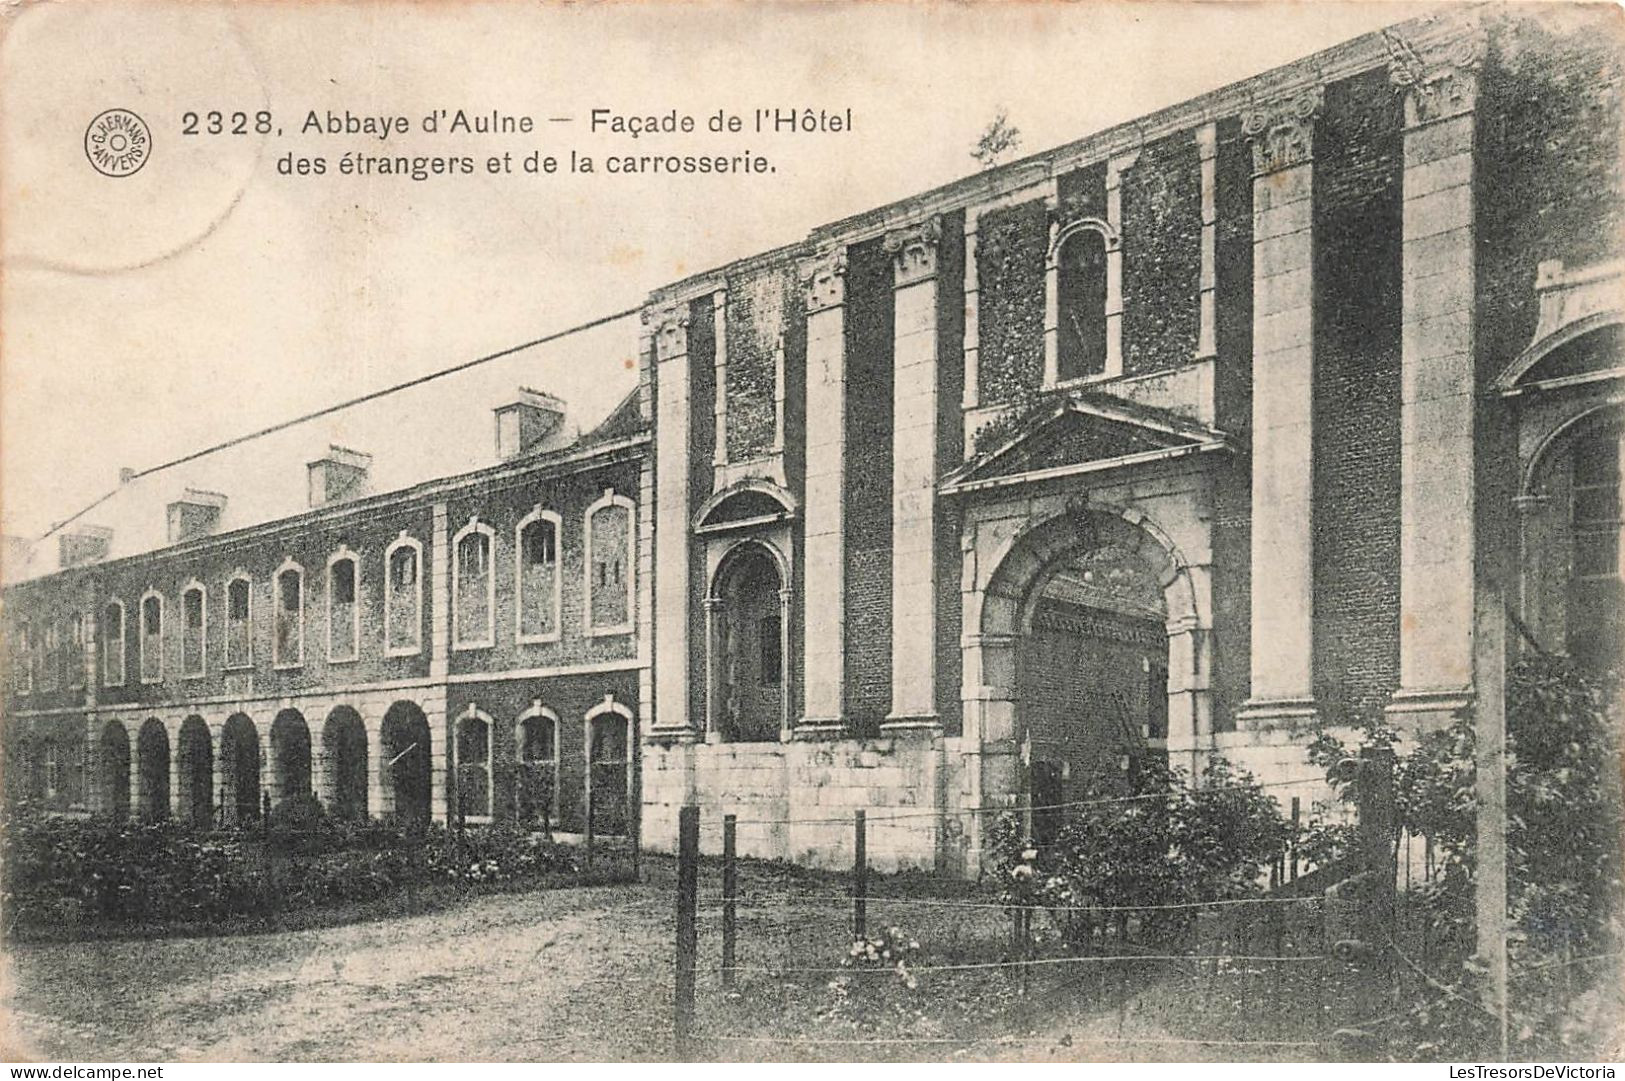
889 949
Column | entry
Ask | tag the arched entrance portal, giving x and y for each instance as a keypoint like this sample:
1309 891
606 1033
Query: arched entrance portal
239 771
746 611
196 772
113 759
344 763
290 756
1088 651
152 758
405 762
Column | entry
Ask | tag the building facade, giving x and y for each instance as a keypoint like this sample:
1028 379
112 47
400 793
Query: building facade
1198 435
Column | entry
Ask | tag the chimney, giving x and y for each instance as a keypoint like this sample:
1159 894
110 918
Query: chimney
338 475
83 545
528 422
195 514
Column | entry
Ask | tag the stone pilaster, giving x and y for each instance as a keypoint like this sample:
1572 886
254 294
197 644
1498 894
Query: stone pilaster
914 475
439 593
1052 287
1436 554
1282 134
973 326
1207 152
1115 168
719 324
824 646
669 329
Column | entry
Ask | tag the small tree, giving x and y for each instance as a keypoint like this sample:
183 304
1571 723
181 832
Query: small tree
1000 140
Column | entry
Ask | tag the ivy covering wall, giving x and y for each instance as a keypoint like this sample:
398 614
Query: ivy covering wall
1011 243
1162 255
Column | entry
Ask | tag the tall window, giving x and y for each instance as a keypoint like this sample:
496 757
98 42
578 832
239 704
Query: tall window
113 644
1080 302
76 649
152 638
51 667
23 657
538 739
239 636
343 613
403 596
288 648
537 575
609 553
1596 511
194 605
772 668
474 765
474 586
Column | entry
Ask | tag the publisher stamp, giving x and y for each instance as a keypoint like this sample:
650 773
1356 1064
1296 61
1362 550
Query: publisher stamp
118 143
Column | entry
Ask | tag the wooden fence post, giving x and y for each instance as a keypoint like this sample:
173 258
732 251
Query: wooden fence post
688 881
730 890
860 877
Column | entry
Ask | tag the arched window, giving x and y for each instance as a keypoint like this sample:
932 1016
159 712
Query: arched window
343 609
609 766
1080 258
1595 635
288 647
537 737
473 587
473 749
194 629
239 622
610 529
403 596
536 577
113 644
152 637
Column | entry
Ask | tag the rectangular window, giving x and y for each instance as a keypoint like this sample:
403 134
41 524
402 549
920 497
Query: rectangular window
76 650
51 668
23 657
238 640
192 640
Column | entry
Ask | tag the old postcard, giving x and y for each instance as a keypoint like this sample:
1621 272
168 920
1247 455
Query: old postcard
811 532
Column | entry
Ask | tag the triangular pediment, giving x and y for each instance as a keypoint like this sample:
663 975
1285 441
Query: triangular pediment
1081 432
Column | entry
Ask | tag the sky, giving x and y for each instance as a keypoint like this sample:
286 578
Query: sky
210 294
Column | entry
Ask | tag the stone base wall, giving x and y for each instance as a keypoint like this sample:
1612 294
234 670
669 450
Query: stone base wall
795 801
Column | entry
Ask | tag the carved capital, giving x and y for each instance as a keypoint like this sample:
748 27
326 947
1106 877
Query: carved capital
1439 79
824 278
1282 130
669 328
913 250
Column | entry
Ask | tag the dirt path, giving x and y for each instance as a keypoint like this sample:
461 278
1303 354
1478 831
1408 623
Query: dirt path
542 975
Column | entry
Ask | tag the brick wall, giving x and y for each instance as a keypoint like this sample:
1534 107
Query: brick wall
702 355
868 521
950 454
1357 215
1011 243
1162 247
1233 376
760 305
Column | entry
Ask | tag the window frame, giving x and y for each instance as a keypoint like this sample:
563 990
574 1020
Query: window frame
403 541
108 653
25 650
195 586
1580 528
538 514
345 554
609 706
1110 243
278 661
473 713
247 661
76 650
50 669
141 610
458 641
609 499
